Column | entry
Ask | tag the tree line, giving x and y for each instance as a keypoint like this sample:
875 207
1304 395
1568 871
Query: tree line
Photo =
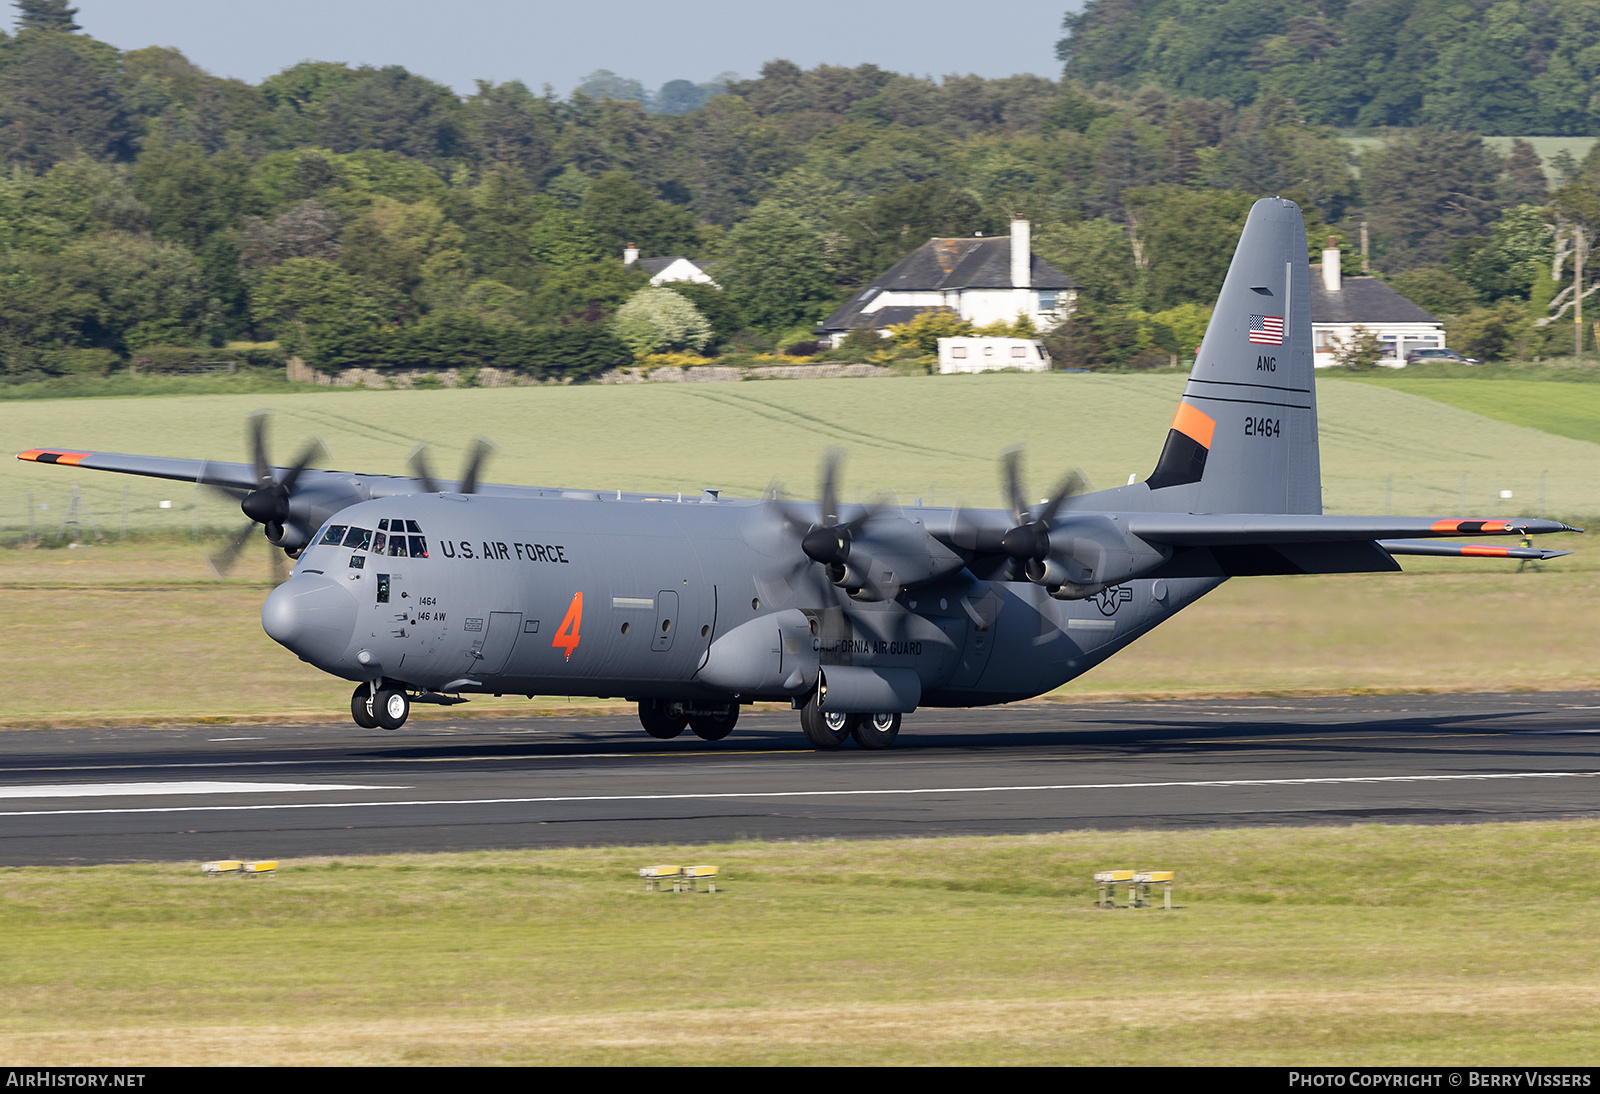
151 212
1501 67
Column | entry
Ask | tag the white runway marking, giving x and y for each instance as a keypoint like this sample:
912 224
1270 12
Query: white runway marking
141 790
767 794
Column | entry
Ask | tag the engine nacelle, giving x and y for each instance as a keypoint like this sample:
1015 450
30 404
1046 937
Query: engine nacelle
291 535
774 654
1091 553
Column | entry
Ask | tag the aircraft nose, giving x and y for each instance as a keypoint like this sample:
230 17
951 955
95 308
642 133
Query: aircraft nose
312 616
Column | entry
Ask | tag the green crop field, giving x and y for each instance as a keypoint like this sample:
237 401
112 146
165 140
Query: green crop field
933 437
1316 946
1566 409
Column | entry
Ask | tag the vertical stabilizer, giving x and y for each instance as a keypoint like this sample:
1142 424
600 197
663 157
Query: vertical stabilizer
1245 436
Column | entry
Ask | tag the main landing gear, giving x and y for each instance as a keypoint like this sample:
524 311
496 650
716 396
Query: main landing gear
664 719
385 708
828 729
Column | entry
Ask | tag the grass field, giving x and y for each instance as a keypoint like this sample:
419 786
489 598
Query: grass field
1567 410
1365 945
933 437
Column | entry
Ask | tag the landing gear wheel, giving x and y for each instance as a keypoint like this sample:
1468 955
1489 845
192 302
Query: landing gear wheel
714 727
391 708
361 707
824 729
662 720
876 731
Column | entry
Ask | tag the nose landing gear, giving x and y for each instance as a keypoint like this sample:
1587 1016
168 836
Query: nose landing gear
380 708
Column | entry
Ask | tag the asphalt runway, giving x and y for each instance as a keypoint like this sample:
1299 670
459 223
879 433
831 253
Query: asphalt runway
78 796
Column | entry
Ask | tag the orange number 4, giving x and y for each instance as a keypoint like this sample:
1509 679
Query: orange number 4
567 634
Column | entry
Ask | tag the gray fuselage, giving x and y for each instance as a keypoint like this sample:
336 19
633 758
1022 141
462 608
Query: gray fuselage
631 598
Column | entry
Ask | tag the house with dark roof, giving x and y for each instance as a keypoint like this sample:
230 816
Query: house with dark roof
981 280
1340 304
670 268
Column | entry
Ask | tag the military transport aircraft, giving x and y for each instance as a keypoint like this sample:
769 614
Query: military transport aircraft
428 591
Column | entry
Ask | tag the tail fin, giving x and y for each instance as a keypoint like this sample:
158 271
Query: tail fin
1245 436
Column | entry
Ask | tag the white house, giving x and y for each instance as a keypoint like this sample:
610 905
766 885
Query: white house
981 280
988 354
671 268
1341 304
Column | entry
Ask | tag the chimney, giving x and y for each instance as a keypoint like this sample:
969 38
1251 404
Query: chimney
1331 280
1021 254
630 254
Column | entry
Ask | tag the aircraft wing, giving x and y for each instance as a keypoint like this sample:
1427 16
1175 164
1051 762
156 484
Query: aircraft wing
237 475
1224 530
242 476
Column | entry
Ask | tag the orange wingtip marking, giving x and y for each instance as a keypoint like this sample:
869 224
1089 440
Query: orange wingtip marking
1194 424
1473 527
1486 552
45 455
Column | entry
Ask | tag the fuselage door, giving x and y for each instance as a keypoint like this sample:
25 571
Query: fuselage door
666 620
489 655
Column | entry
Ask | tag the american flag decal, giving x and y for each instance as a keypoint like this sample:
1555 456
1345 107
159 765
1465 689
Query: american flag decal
1266 330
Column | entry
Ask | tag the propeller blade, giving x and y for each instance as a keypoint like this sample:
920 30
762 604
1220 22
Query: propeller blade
1011 482
1073 483
314 448
223 561
258 446
233 493
482 448
421 470
829 492
279 574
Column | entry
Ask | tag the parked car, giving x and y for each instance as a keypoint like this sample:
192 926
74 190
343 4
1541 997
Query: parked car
1424 355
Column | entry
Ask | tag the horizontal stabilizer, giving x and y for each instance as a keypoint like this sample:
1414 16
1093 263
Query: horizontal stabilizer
1466 550
1222 529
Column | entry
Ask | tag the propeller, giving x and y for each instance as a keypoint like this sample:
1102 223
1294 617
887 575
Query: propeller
422 470
1028 541
830 539
267 504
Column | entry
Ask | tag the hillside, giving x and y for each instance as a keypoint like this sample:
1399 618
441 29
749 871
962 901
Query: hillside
1485 65
931 437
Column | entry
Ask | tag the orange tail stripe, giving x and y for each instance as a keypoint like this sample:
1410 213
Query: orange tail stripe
1195 425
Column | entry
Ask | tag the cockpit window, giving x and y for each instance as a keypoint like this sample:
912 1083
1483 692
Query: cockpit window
383 525
397 546
333 536
359 538
419 546
377 543
411 526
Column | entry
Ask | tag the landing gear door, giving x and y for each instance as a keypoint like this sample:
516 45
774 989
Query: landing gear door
666 620
973 635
